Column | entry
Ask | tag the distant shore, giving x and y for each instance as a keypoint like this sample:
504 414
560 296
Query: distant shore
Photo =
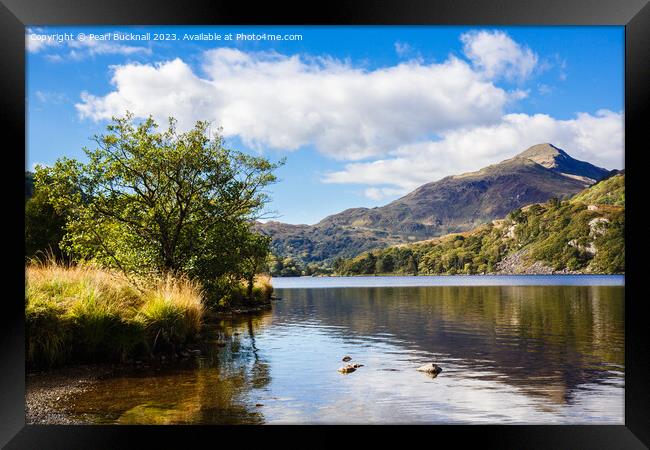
375 281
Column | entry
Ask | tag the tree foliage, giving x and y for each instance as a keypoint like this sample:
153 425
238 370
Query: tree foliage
44 224
151 201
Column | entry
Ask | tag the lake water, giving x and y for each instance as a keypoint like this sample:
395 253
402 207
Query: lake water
511 352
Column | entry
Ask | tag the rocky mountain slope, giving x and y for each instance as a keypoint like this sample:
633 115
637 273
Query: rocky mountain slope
453 204
584 234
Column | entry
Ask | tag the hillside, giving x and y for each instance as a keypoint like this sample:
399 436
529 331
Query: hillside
584 234
452 204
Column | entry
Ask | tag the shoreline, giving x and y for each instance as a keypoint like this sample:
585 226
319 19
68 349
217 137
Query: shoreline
489 274
49 392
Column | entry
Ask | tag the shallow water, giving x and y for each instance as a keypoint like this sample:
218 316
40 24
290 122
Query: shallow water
509 354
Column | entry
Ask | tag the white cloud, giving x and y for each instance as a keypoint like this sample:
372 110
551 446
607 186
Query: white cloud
598 139
37 40
82 49
284 102
53 57
381 193
413 122
51 97
544 89
402 48
36 165
496 55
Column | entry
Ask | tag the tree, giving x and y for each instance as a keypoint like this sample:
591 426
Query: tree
339 265
29 185
412 265
160 201
44 226
385 263
369 264
253 252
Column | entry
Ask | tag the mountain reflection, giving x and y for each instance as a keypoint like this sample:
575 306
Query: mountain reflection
510 354
546 340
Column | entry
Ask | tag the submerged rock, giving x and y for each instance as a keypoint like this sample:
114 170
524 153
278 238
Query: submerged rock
347 369
346 358
431 368
356 366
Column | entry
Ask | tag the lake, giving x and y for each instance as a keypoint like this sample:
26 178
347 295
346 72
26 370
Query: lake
514 349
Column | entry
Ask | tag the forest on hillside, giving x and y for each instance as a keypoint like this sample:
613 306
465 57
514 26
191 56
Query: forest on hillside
584 234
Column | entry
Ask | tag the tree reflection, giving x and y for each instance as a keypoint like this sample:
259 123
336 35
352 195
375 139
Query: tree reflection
211 390
547 340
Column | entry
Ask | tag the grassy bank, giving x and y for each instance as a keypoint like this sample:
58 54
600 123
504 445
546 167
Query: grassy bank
85 313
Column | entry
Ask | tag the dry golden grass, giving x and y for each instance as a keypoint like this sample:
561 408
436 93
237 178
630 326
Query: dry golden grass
86 309
66 286
264 286
174 305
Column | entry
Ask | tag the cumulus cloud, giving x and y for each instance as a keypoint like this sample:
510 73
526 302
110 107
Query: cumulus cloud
397 127
597 138
497 55
286 102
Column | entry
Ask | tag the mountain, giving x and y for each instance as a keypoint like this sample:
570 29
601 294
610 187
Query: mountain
584 234
453 204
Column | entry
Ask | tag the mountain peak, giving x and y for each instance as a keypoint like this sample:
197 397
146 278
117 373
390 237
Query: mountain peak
545 154
557 160
452 204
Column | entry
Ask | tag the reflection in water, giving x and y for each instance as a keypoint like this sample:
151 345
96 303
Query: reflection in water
510 354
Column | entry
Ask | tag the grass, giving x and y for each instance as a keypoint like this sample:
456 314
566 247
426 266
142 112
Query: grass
83 312
171 311
262 289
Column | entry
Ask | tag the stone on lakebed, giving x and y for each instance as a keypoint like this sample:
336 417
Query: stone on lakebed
430 368
347 369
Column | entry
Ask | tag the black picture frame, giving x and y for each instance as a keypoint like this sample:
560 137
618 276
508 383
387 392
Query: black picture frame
15 15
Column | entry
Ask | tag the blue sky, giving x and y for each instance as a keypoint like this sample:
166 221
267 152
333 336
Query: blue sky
362 114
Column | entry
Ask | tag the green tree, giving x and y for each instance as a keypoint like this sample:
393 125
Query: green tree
339 265
253 252
44 224
163 201
412 265
29 185
385 263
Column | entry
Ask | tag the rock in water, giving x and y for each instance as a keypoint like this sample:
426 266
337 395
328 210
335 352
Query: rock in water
430 368
346 358
356 366
347 369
